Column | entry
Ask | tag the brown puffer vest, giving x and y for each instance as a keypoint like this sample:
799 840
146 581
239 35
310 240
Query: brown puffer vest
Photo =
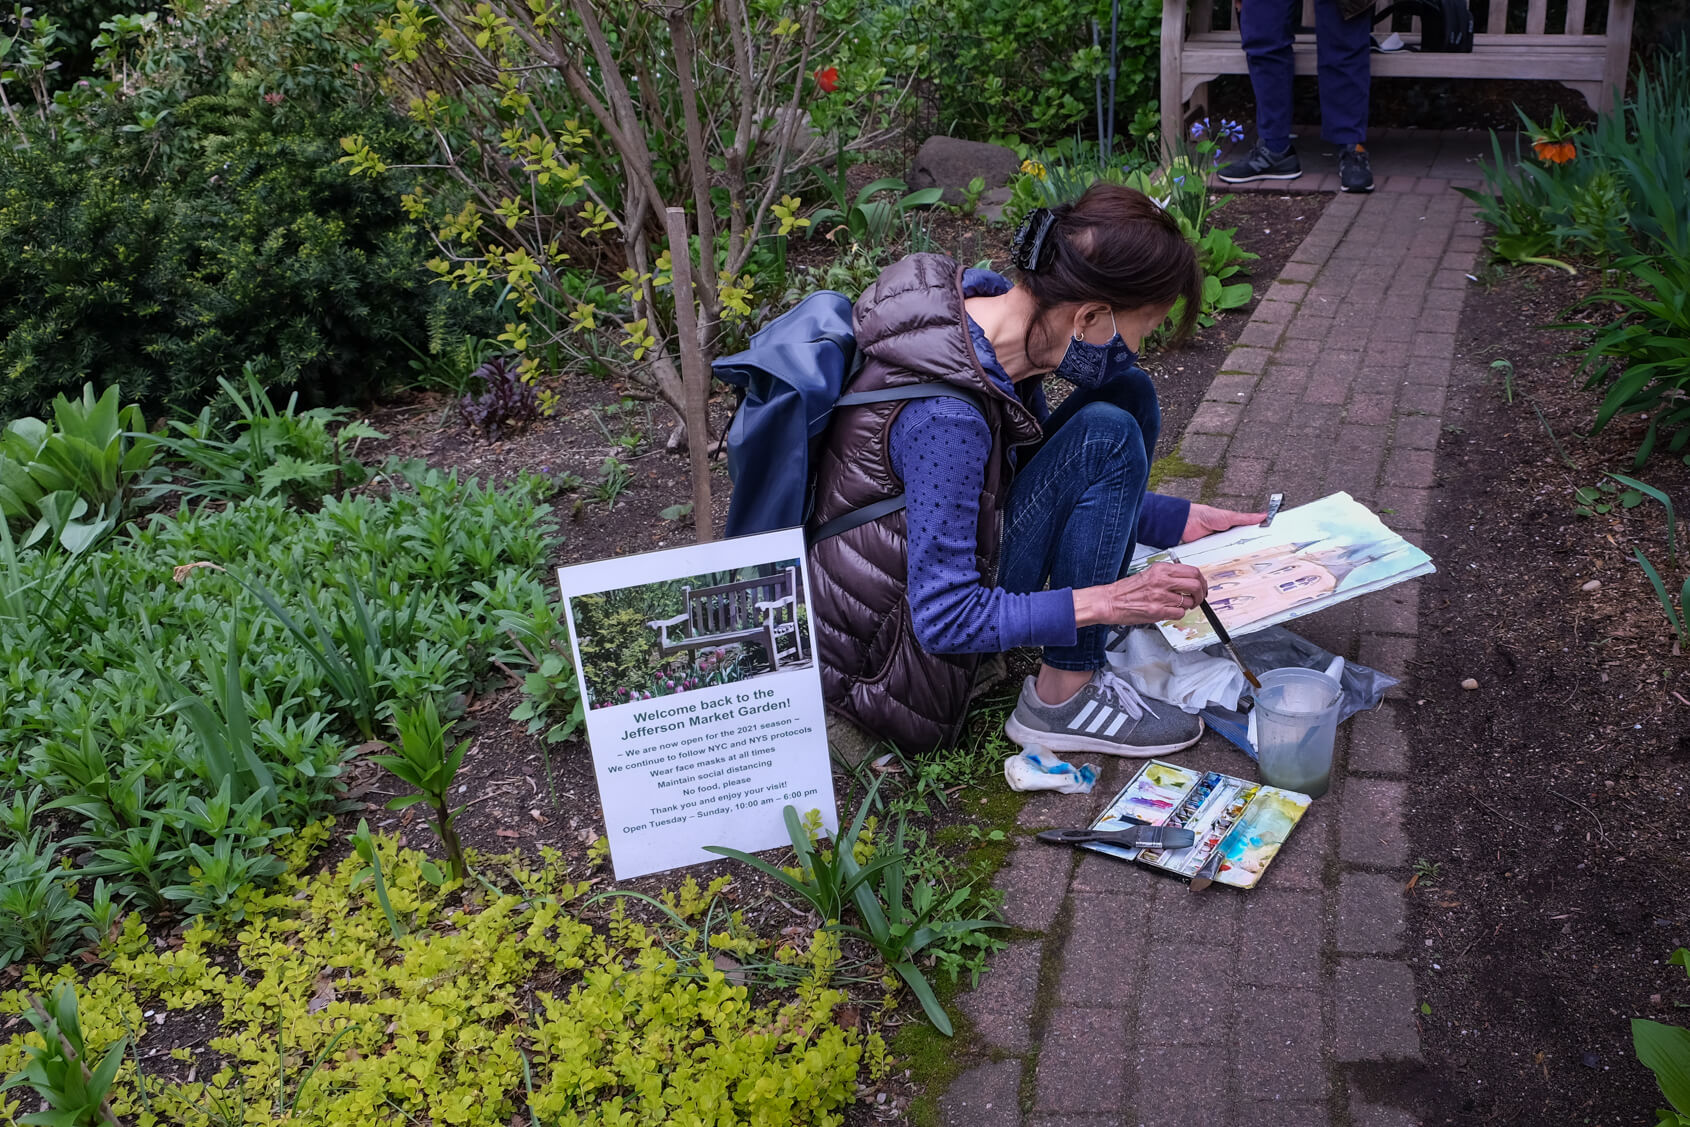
911 328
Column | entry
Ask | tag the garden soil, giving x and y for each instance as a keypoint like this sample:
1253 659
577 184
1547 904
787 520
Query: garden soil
1547 805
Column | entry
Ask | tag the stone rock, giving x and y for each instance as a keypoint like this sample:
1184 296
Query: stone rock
950 163
849 743
993 203
1593 585
1470 684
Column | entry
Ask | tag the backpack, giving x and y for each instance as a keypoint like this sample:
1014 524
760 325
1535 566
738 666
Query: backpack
1446 26
791 378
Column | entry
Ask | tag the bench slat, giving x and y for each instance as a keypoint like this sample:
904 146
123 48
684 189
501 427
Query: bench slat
1496 22
1536 13
1483 44
1575 17
1568 63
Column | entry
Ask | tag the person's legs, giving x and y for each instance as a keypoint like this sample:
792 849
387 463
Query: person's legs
1267 28
1073 514
1343 49
1071 520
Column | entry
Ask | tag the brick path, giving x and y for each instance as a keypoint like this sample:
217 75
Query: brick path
1293 1004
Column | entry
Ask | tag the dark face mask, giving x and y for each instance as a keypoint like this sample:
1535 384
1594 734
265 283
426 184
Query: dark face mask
1093 365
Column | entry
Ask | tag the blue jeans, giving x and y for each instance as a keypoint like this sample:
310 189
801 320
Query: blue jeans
1072 516
1343 64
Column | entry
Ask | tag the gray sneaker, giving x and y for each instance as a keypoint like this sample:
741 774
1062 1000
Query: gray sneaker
1108 716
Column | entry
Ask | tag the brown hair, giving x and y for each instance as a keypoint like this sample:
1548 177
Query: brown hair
1116 246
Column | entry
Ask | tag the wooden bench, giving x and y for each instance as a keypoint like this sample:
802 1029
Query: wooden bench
761 610
1201 43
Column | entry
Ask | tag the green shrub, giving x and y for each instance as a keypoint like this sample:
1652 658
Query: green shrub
1028 67
510 1008
258 250
73 476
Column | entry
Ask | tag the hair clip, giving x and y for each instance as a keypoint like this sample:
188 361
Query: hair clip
1033 248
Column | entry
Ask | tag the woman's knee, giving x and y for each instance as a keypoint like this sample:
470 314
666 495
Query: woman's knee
1112 438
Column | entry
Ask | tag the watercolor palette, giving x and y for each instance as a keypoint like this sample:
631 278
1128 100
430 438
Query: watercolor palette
1246 822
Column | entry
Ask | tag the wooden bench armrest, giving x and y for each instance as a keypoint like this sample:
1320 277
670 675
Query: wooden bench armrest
659 624
776 604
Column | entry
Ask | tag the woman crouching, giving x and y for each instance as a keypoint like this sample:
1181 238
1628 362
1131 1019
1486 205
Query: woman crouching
1018 523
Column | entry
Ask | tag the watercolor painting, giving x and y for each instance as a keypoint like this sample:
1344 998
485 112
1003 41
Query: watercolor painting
1313 556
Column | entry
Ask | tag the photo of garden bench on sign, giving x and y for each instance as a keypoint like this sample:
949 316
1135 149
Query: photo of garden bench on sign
731 625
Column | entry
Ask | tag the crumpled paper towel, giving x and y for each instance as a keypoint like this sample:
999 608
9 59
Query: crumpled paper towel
1036 770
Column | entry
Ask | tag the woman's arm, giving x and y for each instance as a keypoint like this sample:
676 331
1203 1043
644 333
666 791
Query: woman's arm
939 448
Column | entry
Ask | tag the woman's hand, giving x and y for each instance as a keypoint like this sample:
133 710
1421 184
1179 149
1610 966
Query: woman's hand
1161 591
1205 519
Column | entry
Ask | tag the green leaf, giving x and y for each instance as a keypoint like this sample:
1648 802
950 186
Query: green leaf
676 512
923 992
801 887
1678 620
1650 491
1235 296
1665 1051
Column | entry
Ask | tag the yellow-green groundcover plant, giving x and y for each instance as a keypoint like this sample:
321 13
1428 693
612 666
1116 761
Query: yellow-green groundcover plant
512 1007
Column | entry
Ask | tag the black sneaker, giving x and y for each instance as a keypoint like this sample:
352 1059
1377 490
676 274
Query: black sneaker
1263 164
1355 174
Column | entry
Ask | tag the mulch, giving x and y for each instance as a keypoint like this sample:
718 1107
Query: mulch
1548 803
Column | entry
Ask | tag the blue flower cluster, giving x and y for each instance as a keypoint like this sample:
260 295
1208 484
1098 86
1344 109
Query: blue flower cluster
1227 130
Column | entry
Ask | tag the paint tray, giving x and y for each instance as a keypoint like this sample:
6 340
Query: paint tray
1245 822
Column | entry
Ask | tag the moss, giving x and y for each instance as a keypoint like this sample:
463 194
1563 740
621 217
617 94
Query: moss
1172 467
933 1060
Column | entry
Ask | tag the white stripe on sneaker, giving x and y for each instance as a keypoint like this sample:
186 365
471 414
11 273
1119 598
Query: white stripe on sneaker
1081 718
1116 726
1103 715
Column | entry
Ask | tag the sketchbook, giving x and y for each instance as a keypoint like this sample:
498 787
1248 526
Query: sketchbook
1245 823
1312 557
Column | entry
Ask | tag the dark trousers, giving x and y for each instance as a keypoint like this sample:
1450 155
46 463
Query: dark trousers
1345 73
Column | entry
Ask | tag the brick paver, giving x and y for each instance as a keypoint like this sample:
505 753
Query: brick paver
1135 1001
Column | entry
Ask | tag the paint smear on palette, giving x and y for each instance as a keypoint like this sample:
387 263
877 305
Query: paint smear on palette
1256 838
1151 796
1209 811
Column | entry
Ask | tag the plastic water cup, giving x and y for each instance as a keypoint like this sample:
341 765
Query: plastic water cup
1296 720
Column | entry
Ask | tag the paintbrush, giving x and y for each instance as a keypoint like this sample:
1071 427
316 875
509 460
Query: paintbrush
1226 640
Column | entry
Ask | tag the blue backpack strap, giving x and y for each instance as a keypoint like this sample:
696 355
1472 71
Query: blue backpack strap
856 518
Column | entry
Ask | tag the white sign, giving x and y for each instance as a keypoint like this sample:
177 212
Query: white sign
697 667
